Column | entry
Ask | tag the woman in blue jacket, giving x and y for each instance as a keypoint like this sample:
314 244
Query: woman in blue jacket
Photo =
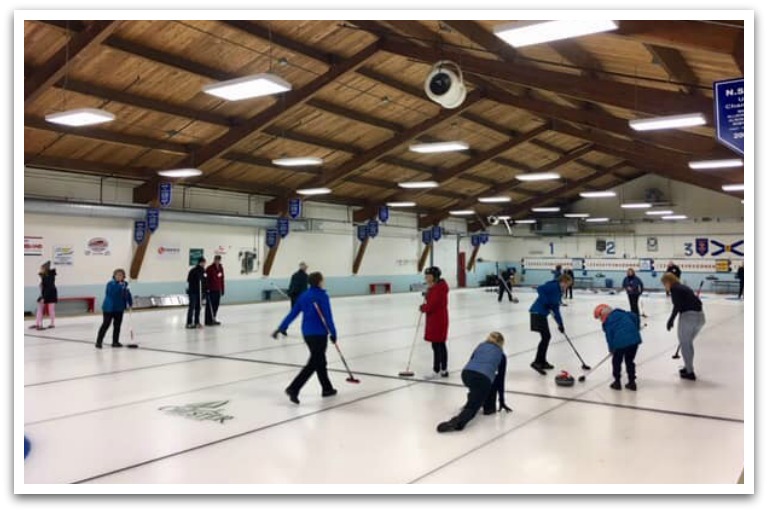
634 287
316 325
622 332
116 299
484 375
549 297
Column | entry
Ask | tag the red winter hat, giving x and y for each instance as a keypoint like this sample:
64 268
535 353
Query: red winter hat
600 309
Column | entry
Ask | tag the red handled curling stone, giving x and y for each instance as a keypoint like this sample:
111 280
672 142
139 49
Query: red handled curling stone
564 379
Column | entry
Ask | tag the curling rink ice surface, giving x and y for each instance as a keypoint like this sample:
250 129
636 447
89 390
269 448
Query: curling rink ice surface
124 416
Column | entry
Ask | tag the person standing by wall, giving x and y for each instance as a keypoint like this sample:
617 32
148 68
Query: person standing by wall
634 287
436 330
740 277
569 291
299 283
548 300
116 299
195 289
49 296
215 280
504 285
313 328
692 319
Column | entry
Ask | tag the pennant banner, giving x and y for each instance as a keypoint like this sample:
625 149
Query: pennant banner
426 236
271 237
373 229
153 219
139 231
362 232
384 214
164 193
437 233
283 226
294 208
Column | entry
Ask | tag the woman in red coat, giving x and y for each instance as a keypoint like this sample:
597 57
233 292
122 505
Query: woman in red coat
436 308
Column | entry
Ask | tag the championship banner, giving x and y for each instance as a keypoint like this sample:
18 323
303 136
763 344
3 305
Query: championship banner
271 237
384 214
426 236
165 193
484 238
139 231
283 227
153 219
729 113
373 229
437 233
362 232
294 208
475 240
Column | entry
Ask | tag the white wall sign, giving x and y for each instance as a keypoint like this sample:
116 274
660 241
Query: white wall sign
97 247
33 246
169 252
63 254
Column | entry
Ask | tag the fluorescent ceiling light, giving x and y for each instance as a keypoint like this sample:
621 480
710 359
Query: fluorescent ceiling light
298 161
180 173
666 122
401 204
636 205
504 217
418 184
546 209
254 86
674 217
81 117
598 193
659 212
439 147
598 219
576 215
462 212
526 221
737 187
716 164
314 191
499 199
538 176
527 33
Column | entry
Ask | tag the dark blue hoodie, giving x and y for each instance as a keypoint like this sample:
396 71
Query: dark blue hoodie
311 324
548 300
117 297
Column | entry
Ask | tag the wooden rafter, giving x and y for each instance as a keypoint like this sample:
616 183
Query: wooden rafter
287 102
57 66
675 66
638 98
505 187
684 35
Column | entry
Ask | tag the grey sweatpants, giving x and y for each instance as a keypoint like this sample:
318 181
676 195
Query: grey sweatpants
688 328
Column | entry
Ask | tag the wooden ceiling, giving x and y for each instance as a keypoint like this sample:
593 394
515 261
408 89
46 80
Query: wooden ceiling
357 101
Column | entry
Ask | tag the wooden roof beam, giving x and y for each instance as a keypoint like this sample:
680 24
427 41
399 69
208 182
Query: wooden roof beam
267 35
677 140
675 66
506 187
642 99
57 66
684 35
270 115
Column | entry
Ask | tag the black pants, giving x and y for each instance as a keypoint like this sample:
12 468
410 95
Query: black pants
568 291
440 357
317 363
741 288
633 303
214 299
479 396
194 307
294 298
108 317
626 354
502 290
540 324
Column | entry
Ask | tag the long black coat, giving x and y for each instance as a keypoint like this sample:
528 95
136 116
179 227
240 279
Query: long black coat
48 292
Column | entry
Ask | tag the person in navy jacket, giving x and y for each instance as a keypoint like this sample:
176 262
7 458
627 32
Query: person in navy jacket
315 326
116 299
548 300
484 375
634 287
622 332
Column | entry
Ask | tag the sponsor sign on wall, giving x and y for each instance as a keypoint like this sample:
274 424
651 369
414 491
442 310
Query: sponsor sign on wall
97 246
169 252
63 254
33 246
